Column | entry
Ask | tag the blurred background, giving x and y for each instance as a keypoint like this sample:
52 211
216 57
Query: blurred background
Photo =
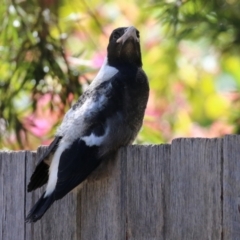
50 50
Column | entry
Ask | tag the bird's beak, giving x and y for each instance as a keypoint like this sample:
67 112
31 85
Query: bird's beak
130 32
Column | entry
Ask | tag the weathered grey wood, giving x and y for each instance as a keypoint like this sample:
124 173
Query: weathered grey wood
147 175
59 222
231 188
102 205
187 190
12 195
194 207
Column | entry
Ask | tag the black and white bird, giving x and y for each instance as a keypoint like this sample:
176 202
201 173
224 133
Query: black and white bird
107 116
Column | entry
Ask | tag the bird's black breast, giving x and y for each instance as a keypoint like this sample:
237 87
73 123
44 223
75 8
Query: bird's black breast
132 86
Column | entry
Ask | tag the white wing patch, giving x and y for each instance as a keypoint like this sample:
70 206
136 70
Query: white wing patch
93 140
53 170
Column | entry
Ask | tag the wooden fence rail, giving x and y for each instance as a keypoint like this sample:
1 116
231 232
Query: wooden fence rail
188 190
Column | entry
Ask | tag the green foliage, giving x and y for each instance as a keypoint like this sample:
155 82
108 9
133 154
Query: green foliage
190 54
218 21
211 28
32 62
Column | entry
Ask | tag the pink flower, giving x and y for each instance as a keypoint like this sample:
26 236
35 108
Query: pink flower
98 59
42 120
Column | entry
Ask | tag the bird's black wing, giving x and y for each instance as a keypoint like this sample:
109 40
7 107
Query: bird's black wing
76 163
106 124
40 175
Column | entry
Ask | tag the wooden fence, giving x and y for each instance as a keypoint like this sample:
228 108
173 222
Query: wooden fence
189 190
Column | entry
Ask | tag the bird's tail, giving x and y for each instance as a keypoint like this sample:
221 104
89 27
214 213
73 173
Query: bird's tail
40 208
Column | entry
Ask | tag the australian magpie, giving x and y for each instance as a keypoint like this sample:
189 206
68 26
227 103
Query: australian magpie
107 116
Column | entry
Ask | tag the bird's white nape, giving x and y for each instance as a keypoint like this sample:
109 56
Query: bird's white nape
53 170
105 73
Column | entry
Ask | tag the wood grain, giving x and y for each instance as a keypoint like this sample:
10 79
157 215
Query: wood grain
231 188
146 183
194 210
184 191
101 206
12 195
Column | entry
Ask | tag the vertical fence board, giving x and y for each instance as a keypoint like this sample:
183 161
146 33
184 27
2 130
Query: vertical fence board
12 200
231 188
59 222
147 182
194 210
101 206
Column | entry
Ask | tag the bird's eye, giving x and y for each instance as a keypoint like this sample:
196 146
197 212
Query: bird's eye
138 35
116 35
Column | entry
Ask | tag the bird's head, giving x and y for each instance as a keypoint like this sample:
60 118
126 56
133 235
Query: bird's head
124 47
